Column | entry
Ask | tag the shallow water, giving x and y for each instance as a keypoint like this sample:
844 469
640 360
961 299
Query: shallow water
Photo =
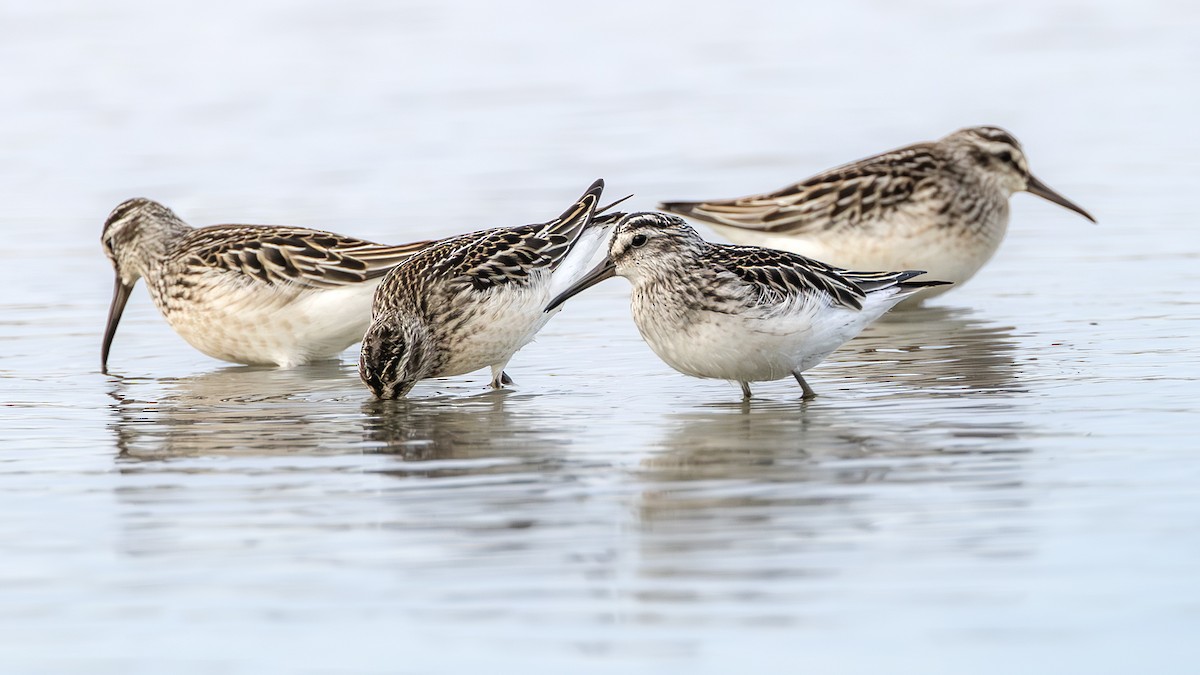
1006 480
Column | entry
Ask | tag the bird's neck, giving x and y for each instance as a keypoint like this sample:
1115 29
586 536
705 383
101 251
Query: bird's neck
147 251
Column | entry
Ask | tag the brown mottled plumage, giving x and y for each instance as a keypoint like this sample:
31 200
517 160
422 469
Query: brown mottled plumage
470 301
253 294
740 313
940 206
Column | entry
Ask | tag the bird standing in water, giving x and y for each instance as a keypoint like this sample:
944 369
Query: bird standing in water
251 294
739 313
940 206
472 301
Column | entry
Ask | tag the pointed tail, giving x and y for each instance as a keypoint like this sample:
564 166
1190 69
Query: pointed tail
577 217
687 209
873 282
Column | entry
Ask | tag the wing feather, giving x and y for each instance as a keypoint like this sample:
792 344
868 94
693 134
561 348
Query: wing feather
489 258
837 197
279 255
779 277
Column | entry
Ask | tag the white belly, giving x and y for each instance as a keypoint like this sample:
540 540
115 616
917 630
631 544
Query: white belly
501 322
261 325
901 246
734 347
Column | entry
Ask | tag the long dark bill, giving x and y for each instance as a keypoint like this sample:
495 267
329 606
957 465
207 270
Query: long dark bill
1037 187
120 297
605 270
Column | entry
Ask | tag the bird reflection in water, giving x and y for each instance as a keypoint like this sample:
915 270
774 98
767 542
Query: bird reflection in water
931 351
465 428
319 409
784 488
237 410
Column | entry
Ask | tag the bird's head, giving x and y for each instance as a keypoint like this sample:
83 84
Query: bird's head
643 244
999 158
395 354
136 235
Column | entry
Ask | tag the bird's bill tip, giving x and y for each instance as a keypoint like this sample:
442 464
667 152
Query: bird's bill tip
605 270
121 292
1037 187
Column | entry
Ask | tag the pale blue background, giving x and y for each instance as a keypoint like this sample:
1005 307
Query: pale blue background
1004 483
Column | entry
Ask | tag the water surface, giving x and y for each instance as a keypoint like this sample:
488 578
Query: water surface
1003 481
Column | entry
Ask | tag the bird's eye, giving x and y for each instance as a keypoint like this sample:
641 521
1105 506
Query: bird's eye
638 240
1006 157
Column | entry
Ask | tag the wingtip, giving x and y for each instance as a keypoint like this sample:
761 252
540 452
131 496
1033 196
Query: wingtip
926 284
593 193
903 280
580 213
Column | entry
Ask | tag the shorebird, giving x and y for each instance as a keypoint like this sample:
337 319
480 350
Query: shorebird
740 313
472 301
252 294
939 206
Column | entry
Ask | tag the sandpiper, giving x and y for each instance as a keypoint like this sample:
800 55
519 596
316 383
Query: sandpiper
252 294
940 207
472 301
740 313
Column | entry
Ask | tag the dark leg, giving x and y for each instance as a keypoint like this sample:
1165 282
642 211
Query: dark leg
808 391
745 391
